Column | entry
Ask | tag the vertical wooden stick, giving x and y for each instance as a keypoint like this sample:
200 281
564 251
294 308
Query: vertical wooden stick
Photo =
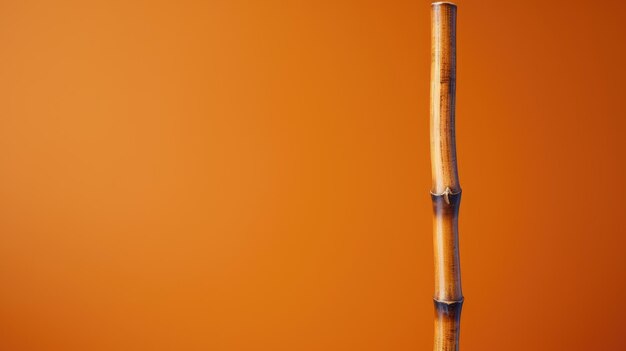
446 190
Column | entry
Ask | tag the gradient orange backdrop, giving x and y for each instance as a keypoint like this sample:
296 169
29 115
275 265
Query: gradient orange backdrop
254 175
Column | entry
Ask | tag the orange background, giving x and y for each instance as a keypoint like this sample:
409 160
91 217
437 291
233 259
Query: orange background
254 175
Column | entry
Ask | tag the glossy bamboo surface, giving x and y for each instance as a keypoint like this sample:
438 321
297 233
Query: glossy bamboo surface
446 190
442 99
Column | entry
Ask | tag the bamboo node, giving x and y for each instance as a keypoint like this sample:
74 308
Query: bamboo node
449 302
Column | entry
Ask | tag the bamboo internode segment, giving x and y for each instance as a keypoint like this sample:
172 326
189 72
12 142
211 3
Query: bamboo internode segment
446 190
447 324
446 247
442 98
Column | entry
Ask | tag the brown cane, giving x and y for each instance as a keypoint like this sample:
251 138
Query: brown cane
446 191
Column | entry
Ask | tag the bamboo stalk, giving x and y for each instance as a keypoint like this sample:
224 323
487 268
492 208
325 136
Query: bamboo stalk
446 190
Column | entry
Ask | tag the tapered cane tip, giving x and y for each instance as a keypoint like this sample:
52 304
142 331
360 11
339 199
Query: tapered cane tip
443 3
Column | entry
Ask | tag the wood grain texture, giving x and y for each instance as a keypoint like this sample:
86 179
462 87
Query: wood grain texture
442 98
447 325
446 190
